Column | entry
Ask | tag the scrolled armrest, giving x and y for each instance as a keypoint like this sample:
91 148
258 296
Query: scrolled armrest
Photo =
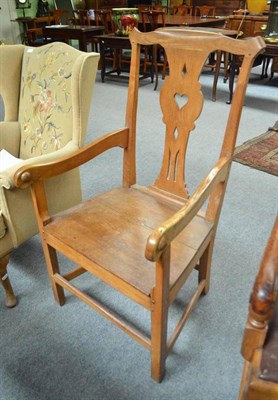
7 176
162 236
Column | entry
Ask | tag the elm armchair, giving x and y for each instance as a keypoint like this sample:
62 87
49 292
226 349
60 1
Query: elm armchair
146 241
46 93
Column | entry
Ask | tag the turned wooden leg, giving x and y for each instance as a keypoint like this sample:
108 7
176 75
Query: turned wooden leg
10 297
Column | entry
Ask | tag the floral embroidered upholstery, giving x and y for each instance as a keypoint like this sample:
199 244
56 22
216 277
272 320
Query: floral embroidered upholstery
47 94
46 87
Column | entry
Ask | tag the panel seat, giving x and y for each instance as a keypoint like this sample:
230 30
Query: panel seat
112 223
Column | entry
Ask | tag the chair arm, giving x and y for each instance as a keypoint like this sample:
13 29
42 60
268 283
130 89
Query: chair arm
28 174
262 299
162 236
7 176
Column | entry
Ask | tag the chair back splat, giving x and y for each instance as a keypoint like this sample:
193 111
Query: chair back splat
146 241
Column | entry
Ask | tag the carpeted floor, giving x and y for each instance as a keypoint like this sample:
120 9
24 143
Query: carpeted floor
260 152
71 352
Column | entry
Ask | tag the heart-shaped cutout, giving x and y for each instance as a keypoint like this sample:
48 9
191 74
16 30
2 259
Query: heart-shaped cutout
181 100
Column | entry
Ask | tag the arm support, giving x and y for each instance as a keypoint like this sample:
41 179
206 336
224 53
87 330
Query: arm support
162 236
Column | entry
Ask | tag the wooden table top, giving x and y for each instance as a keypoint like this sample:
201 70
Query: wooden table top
225 32
83 28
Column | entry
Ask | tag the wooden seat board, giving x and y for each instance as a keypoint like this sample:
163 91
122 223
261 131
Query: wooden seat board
112 223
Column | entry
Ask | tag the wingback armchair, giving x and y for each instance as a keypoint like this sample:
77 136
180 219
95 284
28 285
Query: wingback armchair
46 93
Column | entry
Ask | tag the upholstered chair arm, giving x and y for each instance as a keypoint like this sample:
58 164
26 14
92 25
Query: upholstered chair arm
6 177
10 133
24 177
165 233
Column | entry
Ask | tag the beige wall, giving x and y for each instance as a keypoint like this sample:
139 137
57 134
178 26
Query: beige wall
9 31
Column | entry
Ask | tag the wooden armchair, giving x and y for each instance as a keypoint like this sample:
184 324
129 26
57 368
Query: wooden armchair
260 340
60 17
46 93
82 17
104 18
155 56
146 241
204 11
35 35
182 10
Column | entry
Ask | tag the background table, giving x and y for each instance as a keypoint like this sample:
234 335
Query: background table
117 43
84 34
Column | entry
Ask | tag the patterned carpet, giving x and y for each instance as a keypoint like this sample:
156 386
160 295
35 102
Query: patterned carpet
260 152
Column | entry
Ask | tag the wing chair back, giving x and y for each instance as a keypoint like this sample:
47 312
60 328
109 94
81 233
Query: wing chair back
49 84
46 93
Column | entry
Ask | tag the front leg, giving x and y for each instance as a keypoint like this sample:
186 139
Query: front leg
10 297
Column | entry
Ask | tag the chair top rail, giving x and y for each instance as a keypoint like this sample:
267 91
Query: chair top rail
199 40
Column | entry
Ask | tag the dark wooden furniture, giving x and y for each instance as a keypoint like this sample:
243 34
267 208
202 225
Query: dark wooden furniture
154 55
274 66
84 34
117 44
105 18
29 24
26 23
260 340
188 20
204 11
250 25
35 33
61 17
222 7
146 241
182 10
99 4
270 51
82 17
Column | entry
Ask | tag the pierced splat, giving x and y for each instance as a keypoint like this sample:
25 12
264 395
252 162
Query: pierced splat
181 102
